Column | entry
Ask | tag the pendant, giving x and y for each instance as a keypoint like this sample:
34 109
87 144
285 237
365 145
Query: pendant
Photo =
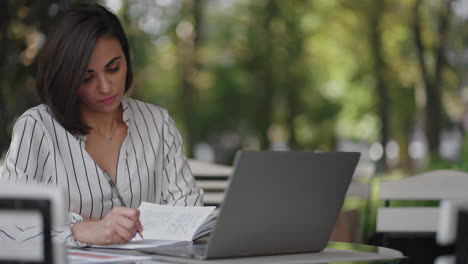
109 140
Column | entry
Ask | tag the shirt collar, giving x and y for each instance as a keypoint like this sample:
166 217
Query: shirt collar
126 111
81 137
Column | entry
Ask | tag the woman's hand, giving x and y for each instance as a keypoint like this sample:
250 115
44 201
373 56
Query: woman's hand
119 226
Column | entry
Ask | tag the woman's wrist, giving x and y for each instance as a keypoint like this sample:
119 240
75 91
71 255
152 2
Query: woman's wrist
80 230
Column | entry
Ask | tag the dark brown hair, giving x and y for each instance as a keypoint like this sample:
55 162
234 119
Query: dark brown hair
64 61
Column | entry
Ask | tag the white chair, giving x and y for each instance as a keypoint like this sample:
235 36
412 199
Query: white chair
435 185
212 178
412 229
449 218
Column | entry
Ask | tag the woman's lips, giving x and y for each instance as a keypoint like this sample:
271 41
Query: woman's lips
108 100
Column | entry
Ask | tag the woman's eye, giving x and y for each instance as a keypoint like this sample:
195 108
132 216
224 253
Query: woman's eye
85 80
114 69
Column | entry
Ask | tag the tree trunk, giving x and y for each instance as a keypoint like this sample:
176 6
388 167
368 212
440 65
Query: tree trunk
379 73
261 68
294 109
188 48
294 81
434 111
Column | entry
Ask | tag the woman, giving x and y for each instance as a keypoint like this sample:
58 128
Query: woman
86 127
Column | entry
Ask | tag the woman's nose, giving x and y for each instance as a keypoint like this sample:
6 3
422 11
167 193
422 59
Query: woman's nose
104 84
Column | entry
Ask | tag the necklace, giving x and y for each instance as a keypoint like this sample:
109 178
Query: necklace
108 139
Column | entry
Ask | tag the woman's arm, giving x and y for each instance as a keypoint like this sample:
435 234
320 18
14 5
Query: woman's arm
180 187
28 162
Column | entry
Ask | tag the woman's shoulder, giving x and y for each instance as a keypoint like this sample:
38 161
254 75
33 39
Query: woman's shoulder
142 107
35 118
38 113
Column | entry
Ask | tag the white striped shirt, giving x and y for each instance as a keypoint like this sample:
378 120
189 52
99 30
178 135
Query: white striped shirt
151 166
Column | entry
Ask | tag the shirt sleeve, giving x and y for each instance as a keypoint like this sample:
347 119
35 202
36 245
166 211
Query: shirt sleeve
181 187
28 162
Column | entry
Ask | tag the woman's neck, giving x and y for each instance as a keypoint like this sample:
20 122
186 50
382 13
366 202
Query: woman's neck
104 122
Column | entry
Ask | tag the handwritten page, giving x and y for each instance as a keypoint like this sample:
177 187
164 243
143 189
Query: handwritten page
172 222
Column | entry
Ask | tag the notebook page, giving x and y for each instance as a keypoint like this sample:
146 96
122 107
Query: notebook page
138 243
76 256
172 222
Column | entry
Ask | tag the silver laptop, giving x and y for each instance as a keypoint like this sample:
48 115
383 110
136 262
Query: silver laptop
276 203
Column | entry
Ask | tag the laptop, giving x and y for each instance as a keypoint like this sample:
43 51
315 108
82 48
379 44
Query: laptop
276 203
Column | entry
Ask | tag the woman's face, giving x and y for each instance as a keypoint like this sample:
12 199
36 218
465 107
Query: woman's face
103 84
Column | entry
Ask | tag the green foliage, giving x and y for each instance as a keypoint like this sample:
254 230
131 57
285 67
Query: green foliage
305 68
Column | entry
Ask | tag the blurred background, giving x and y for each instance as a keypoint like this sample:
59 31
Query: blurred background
388 78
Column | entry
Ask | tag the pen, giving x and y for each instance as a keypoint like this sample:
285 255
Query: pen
117 193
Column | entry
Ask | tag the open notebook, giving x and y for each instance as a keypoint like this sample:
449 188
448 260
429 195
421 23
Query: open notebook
163 225
175 222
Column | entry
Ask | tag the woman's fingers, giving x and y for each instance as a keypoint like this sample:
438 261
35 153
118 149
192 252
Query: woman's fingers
121 225
128 224
124 235
130 213
139 227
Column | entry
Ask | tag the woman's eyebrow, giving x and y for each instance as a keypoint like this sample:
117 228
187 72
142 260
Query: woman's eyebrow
107 65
